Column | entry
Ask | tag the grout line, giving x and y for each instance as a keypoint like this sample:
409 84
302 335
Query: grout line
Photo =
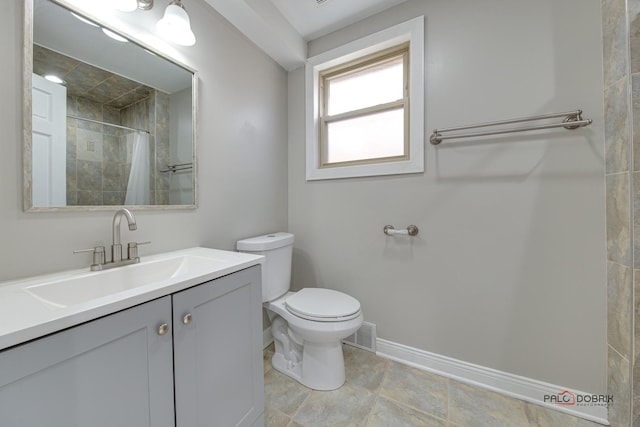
301 405
447 402
618 353
626 172
375 402
378 393
402 404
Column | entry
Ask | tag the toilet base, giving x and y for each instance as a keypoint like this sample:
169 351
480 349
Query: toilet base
321 367
308 351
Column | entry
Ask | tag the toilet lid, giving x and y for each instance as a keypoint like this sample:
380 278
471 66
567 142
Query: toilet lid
322 303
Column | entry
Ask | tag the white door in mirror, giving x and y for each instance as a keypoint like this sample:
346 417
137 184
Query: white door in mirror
49 144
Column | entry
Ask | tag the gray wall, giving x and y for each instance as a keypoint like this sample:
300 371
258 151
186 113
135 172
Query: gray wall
508 271
242 154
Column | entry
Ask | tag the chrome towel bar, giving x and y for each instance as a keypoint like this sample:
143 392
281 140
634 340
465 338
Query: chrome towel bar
178 167
572 120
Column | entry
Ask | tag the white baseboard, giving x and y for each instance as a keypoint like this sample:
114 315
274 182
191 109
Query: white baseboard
515 386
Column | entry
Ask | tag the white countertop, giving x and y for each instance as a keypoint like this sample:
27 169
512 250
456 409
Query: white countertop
24 317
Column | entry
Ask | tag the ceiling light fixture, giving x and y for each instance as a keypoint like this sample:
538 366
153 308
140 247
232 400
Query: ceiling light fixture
175 24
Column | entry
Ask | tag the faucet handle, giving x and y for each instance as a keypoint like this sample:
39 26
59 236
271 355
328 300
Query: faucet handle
132 249
98 255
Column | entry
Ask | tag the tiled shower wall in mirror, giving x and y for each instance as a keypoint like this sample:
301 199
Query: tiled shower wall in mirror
99 156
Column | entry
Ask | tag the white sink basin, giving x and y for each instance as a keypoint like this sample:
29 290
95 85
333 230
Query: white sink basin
34 307
86 287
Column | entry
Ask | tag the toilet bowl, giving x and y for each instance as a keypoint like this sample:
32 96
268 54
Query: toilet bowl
309 348
308 326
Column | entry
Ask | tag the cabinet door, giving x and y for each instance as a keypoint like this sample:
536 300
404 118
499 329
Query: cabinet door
114 371
218 353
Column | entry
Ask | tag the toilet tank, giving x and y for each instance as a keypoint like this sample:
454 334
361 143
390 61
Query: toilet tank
277 249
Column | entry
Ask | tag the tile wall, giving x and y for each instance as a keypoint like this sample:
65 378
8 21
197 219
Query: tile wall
98 156
152 114
97 168
633 8
621 204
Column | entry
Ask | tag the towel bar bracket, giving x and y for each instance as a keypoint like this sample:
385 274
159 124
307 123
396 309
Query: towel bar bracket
573 118
411 230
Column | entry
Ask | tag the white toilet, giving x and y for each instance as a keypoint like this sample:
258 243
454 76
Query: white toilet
307 325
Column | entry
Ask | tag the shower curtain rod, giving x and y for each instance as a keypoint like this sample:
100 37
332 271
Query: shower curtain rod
108 124
572 120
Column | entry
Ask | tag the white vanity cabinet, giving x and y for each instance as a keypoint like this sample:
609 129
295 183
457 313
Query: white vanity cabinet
114 371
218 352
149 365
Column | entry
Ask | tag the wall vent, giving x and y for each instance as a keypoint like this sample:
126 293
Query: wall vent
364 338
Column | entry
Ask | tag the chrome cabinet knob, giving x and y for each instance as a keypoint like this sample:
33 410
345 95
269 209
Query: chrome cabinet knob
163 329
187 319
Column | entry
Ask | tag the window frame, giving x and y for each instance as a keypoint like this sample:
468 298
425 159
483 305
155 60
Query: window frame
369 61
349 55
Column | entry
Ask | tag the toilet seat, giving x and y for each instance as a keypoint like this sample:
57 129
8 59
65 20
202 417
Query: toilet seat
322 305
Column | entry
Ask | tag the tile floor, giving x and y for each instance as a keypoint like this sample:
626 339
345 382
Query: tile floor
383 393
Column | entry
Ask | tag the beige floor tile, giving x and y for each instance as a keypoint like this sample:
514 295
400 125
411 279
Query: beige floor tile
383 393
275 418
473 407
363 368
386 413
266 360
541 416
418 389
346 406
283 393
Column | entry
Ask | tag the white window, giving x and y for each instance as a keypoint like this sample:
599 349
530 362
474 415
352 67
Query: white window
364 110
365 106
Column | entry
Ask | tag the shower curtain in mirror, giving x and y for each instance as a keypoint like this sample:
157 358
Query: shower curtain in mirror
138 186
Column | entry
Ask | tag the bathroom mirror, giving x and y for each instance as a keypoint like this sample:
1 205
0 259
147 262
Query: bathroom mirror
117 128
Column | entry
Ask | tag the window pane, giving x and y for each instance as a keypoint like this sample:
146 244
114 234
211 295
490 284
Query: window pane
372 86
369 137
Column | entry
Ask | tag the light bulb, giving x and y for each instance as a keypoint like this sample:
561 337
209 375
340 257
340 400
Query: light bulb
175 25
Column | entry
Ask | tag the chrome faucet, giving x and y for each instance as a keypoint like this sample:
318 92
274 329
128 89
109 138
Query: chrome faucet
116 246
99 261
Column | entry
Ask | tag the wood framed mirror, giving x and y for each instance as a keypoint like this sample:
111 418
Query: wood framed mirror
107 121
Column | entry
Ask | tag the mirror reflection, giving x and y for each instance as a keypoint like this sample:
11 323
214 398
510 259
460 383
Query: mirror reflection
112 122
